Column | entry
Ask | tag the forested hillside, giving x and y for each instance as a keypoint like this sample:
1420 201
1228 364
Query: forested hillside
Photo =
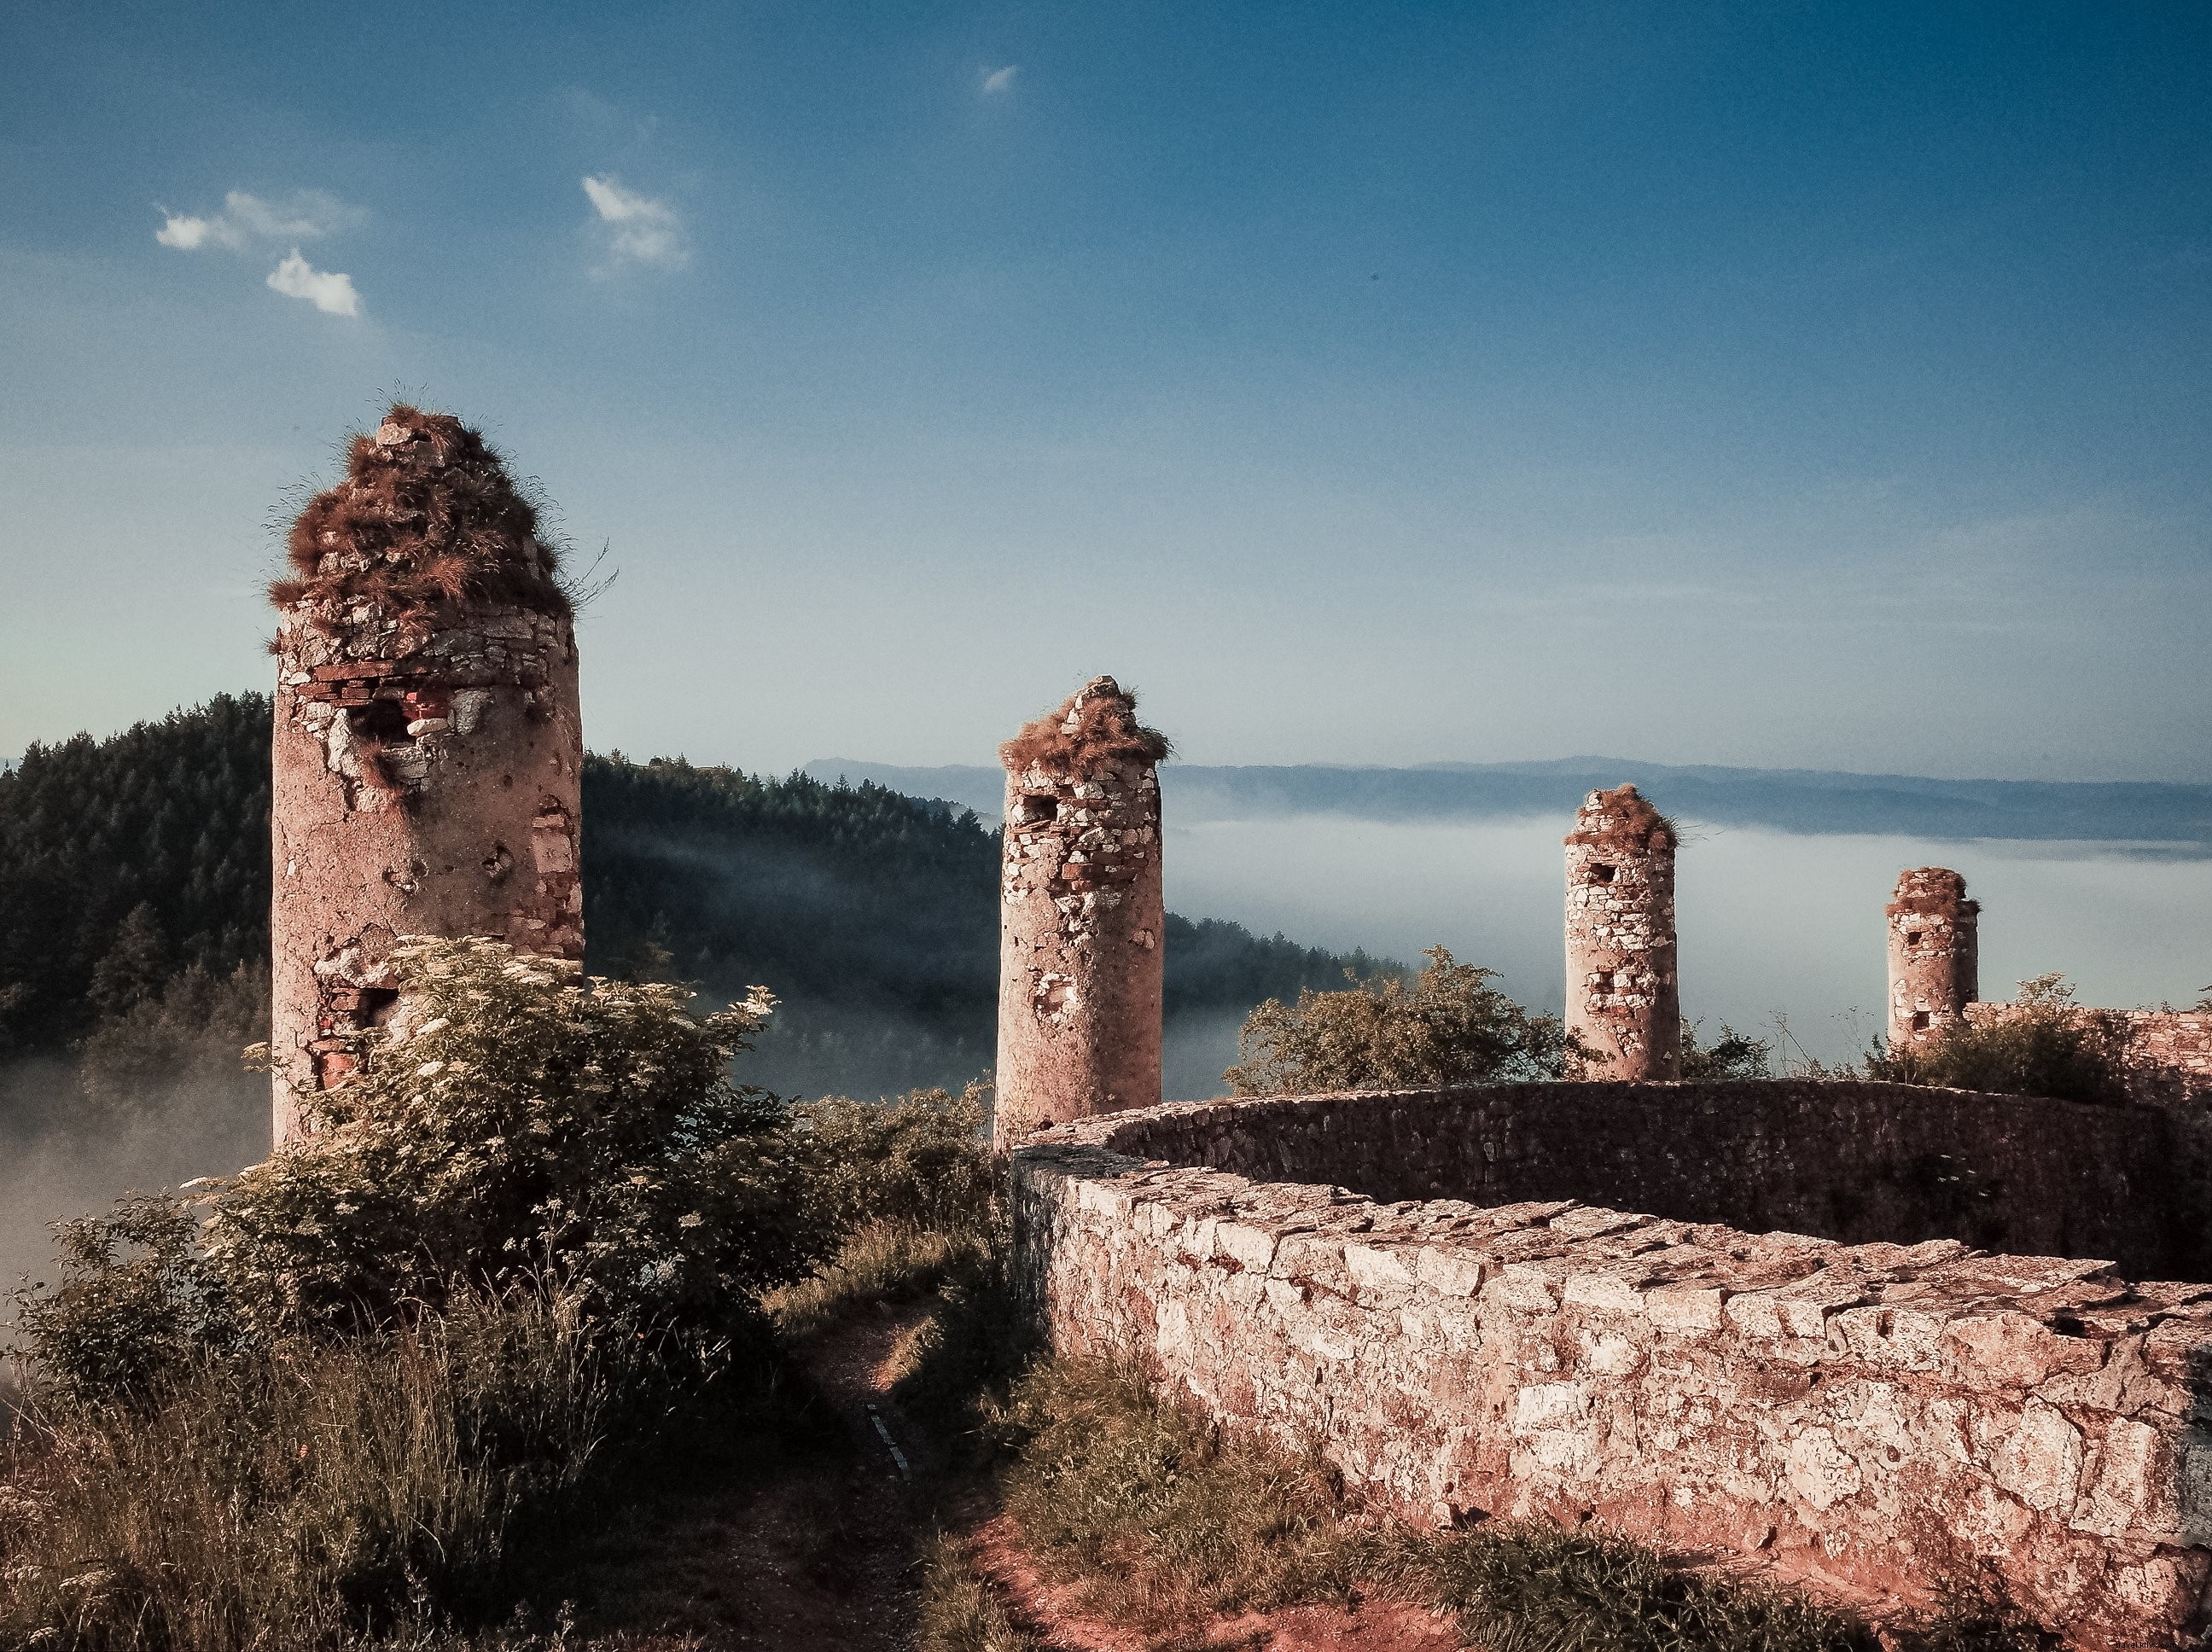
170 817
872 915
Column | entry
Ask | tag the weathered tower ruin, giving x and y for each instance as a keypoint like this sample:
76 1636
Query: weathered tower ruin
1623 999
1934 954
427 750
1080 916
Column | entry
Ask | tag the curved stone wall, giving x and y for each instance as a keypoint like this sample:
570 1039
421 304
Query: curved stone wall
1488 1326
1853 1162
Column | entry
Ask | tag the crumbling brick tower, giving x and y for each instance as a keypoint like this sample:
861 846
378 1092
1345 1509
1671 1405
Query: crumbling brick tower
1935 948
427 749
1623 999
1080 916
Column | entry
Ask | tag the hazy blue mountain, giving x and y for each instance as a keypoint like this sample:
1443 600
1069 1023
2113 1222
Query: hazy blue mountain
1804 800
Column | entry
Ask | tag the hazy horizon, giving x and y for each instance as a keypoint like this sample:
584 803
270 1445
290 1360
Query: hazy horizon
1405 383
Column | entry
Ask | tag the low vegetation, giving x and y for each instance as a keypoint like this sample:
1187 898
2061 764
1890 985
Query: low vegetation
2044 1049
1156 1518
371 1393
1446 1026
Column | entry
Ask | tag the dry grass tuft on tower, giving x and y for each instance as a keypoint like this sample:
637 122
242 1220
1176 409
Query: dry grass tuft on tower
427 749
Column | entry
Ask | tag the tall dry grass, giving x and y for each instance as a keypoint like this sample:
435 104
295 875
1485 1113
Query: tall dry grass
306 1494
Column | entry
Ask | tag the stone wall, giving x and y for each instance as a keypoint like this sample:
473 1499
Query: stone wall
2166 1055
1850 1162
1893 1417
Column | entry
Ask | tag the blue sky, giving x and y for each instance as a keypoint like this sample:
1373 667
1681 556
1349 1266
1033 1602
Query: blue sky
1773 385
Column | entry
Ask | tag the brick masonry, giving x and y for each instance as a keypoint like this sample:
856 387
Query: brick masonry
1454 1296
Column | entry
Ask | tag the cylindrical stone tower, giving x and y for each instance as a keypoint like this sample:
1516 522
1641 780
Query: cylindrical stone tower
428 751
1080 917
1623 999
1935 946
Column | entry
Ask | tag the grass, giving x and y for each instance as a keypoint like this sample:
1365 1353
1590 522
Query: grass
883 1264
1159 1518
959 1612
306 1495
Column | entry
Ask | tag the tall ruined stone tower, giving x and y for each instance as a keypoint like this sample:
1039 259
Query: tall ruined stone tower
1080 916
1935 954
427 750
1623 999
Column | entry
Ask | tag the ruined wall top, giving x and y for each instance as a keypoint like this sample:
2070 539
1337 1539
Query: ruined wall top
426 522
1622 818
1095 730
1933 891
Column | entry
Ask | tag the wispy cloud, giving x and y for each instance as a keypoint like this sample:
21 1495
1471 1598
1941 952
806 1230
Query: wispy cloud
996 81
245 219
250 220
328 291
639 228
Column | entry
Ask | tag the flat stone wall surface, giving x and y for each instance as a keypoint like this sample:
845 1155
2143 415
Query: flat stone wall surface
1893 1417
2164 1055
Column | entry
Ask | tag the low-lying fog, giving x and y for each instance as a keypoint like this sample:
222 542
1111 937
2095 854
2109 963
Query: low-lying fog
1769 920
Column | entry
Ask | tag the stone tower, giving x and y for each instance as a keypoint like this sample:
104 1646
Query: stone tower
1080 939
1935 947
1623 999
427 750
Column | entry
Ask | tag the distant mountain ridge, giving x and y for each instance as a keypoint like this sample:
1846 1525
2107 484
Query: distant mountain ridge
1798 800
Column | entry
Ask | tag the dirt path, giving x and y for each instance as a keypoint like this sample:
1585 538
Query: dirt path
803 1541
810 1545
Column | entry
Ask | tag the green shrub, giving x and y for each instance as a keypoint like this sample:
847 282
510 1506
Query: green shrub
2045 1049
1731 1055
518 1122
921 1162
1450 1027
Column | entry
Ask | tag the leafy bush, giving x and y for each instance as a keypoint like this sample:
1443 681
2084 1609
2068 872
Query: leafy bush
308 1491
923 1162
1449 1028
1731 1055
518 1120
921 1202
2045 1049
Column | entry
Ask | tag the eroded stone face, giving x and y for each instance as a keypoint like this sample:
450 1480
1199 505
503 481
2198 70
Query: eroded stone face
1934 955
427 782
1624 1000
1081 960
1899 1417
1082 916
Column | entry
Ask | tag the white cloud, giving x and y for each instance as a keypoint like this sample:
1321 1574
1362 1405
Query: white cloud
1000 80
641 230
188 233
331 294
305 215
